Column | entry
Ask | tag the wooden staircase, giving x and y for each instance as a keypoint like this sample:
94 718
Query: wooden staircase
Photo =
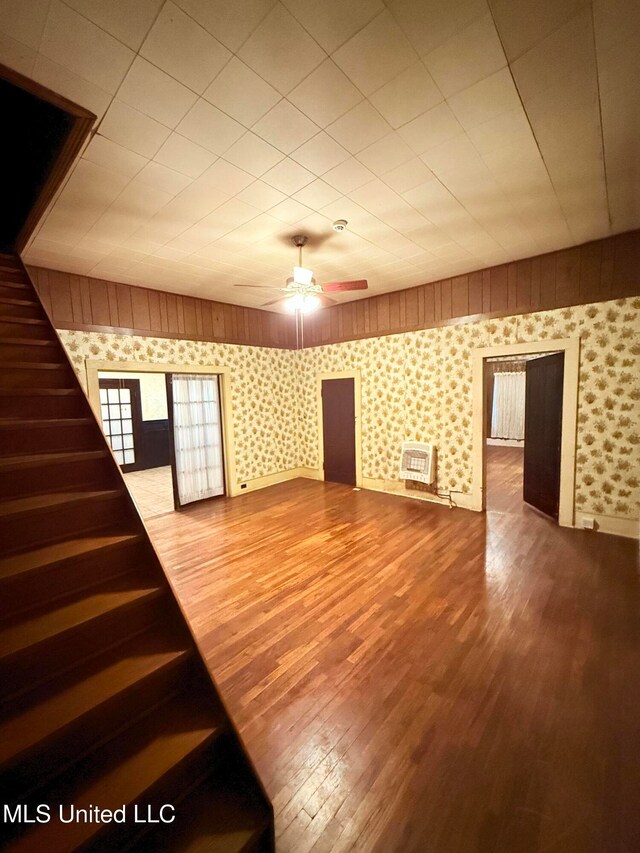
105 698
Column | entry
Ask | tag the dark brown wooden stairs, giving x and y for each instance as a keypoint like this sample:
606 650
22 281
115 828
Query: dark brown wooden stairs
105 698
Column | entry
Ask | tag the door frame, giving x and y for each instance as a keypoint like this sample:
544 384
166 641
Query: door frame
94 366
571 349
357 402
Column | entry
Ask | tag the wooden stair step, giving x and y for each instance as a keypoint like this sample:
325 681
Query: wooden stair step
24 321
20 285
28 342
25 303
39 392
55 500
33 630
35 460
38 423
34 365
125 771
40 559
210 820
53 713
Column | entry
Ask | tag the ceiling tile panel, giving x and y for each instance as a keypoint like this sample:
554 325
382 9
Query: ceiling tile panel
230 23
486 100
432 128
285 127
82 47
184 49
360 127
24 22
162 178
184 156
131 129
253 154
209 127
241 93
386 154
290 211
407 176
348 175
407 96
317 194
376 54
332 22
325 94
467 57
320 154
70 85
523 24
155 94
127 20
288 176
281 51
261 195
103 152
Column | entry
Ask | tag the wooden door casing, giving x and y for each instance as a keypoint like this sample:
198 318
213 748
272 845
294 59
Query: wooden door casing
543 433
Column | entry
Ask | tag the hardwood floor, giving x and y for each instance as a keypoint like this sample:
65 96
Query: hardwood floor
412 678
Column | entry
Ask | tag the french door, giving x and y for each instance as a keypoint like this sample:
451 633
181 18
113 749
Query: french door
121 414
195 426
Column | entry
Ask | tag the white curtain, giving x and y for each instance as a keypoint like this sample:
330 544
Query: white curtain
507 416
197 435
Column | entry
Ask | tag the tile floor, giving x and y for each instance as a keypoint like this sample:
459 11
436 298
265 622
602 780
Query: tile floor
152 490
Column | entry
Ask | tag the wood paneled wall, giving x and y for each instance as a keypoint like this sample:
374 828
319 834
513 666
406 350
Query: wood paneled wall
593 272
94 305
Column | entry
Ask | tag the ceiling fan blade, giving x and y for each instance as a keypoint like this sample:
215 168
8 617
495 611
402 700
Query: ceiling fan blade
337 286
274 301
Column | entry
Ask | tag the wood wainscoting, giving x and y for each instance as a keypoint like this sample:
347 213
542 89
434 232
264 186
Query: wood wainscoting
85 304
594 272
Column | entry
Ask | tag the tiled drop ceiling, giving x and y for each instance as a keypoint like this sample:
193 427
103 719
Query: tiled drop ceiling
451 134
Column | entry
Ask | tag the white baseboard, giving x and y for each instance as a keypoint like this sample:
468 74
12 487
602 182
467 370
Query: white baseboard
612 524
398 488
505 442
246 486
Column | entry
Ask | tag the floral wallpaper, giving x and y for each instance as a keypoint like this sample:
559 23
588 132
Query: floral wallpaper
417 386
264 393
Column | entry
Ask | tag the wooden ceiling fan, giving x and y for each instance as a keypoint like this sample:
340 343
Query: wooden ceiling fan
302 293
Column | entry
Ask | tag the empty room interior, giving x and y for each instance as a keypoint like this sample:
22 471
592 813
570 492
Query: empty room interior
320 426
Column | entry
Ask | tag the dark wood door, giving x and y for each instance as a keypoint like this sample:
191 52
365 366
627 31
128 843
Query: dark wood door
543 433
121 412
339 430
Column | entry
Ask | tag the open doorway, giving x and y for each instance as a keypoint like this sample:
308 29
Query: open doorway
166 433
523 432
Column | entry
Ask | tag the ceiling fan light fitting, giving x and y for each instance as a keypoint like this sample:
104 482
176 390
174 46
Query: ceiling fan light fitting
306 303
302 275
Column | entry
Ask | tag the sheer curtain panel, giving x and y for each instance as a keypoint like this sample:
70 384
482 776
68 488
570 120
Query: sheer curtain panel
197 436
507 417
